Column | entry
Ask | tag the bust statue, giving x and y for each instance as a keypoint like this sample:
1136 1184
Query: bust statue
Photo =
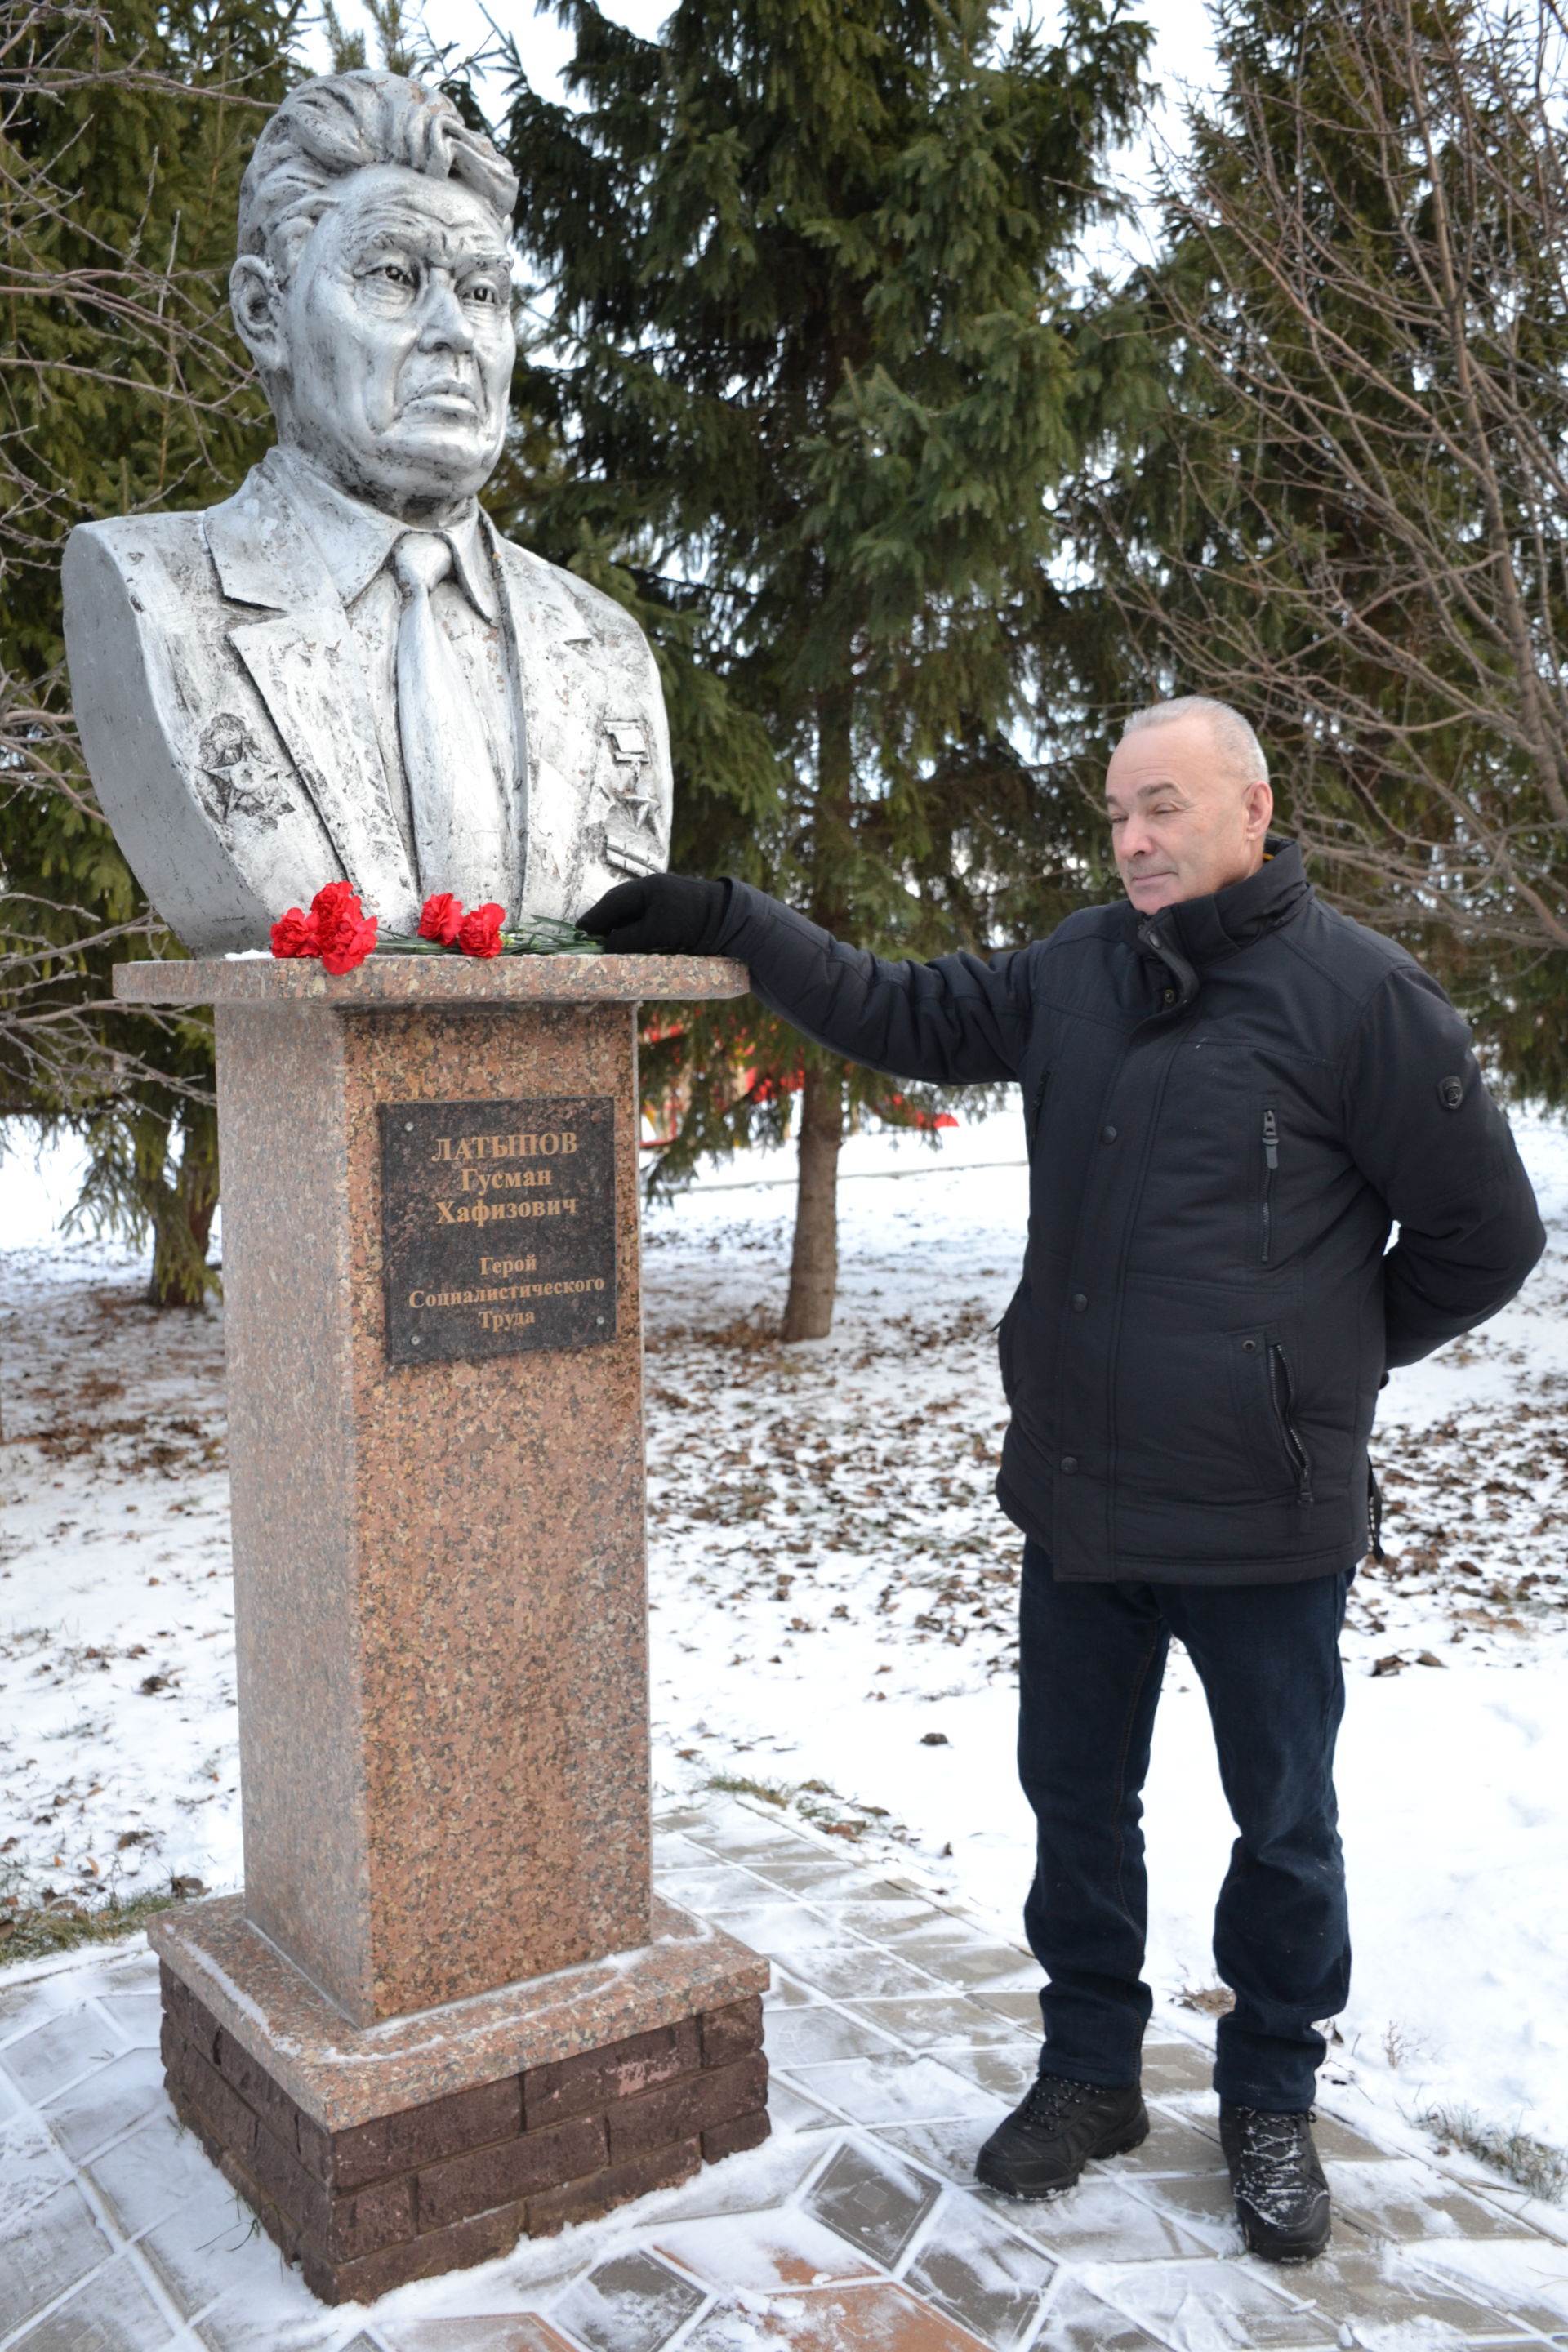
344 671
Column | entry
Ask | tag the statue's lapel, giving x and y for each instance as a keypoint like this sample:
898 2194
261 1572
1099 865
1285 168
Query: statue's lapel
305 668
561 668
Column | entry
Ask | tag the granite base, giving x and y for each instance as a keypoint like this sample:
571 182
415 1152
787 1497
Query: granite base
419 2185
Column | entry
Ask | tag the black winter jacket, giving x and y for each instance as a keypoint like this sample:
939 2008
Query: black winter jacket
1228 1105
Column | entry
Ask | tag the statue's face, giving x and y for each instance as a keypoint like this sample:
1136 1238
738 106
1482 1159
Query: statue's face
398 341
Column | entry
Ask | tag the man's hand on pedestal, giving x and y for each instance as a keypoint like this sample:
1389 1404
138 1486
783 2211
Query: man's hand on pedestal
661 914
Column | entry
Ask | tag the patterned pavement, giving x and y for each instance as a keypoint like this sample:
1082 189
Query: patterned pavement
897 2032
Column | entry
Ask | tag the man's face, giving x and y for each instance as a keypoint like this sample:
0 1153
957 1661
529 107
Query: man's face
397 322
1181 824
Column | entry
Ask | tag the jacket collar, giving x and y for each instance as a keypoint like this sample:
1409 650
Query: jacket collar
1202 930
318 531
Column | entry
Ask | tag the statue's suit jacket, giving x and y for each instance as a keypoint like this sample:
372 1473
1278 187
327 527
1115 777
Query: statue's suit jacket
227 725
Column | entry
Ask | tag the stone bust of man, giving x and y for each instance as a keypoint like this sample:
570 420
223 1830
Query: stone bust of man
344 670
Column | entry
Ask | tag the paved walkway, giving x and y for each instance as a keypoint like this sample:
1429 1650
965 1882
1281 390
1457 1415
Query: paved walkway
897 2033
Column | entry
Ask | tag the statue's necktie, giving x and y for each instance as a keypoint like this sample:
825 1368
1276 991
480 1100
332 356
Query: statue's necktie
446 761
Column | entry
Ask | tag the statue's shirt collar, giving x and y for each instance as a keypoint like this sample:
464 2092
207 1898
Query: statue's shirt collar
356 541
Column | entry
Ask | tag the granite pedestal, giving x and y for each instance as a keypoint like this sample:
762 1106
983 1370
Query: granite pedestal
446 2008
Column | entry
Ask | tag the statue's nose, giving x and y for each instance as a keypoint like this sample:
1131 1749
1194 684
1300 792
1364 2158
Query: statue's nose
446 325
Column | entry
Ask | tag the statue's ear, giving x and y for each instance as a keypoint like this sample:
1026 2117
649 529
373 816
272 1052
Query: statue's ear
255 299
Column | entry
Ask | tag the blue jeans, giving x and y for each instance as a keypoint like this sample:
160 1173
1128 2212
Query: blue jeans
1091 1658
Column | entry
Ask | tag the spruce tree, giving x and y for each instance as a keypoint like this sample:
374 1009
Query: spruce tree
807 372
1347 515
122 138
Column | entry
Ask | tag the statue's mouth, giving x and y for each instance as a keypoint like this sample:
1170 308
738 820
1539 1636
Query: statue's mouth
446 397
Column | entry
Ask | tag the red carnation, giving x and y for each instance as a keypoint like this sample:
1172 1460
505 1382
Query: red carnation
296 934
440 917
347 934
478 933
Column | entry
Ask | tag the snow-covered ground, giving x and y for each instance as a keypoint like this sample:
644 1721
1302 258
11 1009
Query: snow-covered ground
833 1593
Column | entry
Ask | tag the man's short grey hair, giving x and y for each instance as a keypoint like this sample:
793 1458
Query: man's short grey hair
1235 740
338 124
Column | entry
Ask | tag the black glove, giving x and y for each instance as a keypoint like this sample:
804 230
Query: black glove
661 914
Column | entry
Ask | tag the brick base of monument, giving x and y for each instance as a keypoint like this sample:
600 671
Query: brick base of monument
458 2179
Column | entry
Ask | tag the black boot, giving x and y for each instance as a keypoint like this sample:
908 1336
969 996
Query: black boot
1045 2144
1282 2197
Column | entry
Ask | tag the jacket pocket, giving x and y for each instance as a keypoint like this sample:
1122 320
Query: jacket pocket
1265 1407
1295 1446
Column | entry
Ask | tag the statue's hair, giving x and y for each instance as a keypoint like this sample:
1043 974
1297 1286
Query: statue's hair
1235 740
337 124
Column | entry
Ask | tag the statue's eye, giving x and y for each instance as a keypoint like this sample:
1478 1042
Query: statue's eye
483 290
398 273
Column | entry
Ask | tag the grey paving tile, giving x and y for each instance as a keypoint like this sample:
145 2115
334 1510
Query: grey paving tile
815 1876
763 2177
1359 2285
150 2173
107 2102
1336 2142
632 2303
138 2015
716 1886
31 2167
1176 2067
945 2145
1100 2220
969 1962
208 2246
785 1993
514 2331
1526 2279
1174 2145
947 2020
1199 2204
45 2250
1006 2072
671 1851
1022 2005
728 2329
30 2001
286 2318
54 2053
112 2312
880 1923
806 1946
749 1835
1078 2321
792 2111
872 2199
842 1971
787 2248
511 2331
809 2037
1403 2200
898 2089
984 2276
1203 2307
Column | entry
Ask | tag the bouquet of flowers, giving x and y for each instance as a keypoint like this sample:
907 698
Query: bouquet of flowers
340 933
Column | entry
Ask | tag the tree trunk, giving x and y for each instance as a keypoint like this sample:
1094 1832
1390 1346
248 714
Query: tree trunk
814 1267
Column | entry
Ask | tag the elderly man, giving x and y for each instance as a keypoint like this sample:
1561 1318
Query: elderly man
344 671
1232 1094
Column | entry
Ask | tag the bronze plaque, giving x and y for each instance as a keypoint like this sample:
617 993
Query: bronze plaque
497 1226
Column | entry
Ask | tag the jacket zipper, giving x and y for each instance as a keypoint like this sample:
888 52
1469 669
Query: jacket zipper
1270 1162
1279 1388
